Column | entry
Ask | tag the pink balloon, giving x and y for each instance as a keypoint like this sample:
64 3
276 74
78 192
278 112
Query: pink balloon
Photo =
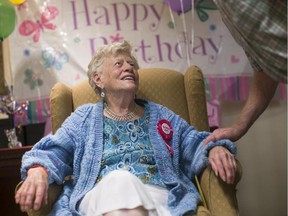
179 6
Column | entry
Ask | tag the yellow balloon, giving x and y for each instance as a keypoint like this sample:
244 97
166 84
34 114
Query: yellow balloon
17 2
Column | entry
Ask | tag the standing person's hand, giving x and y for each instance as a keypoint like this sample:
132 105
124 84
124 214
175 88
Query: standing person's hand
261 94
34 190
223 163
232 133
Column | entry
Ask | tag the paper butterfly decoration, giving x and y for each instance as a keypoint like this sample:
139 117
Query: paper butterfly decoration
52 58
29 27
201 6
32 79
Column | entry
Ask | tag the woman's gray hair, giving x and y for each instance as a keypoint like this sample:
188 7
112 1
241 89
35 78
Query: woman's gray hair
102 53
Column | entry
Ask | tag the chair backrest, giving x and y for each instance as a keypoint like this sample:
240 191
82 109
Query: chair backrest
184 94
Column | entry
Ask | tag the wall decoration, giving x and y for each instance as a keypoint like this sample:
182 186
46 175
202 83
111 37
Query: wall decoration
55 41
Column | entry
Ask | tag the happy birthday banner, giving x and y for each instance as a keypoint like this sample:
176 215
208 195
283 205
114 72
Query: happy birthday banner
54 41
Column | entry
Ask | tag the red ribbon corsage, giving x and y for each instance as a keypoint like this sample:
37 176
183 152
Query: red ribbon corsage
165 129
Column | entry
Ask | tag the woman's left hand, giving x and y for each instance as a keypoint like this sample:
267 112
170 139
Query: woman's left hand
223 163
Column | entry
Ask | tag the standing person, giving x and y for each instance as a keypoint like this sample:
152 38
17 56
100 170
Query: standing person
127 156
260 27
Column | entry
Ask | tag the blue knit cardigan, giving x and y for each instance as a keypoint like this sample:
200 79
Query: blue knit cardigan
76 149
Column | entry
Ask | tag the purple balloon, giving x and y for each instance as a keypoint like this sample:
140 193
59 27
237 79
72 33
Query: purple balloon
179 6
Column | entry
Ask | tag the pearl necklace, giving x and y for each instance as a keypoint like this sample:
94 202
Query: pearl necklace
116 117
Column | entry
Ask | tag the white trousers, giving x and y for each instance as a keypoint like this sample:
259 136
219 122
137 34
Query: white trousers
122 190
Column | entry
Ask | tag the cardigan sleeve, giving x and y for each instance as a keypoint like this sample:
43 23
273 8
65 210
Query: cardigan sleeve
193 155
56 152
187 143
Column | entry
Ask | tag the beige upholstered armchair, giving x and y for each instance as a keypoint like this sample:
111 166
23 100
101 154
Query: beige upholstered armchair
185 95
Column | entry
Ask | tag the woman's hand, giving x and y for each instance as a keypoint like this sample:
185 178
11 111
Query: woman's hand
223 163
34 190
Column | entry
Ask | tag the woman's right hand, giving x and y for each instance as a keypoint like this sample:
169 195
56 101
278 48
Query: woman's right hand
34 190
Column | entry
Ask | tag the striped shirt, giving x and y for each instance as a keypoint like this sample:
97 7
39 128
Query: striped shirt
260 27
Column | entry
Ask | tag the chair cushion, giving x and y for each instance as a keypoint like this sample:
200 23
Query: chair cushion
83 93
152 83
184 92
61 104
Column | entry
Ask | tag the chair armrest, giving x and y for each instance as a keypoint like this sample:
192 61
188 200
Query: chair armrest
220 197
53 193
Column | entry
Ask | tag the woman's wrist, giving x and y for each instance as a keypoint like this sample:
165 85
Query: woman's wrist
39 167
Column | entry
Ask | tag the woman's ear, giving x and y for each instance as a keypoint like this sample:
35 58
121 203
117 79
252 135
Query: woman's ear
97 80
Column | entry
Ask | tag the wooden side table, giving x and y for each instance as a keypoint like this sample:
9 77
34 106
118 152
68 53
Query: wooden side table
10 162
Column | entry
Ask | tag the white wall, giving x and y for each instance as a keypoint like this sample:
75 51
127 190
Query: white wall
262 152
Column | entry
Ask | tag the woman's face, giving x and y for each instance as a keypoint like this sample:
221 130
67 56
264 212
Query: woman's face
118 75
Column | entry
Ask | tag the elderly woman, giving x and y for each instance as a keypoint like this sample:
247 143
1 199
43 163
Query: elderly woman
127 156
